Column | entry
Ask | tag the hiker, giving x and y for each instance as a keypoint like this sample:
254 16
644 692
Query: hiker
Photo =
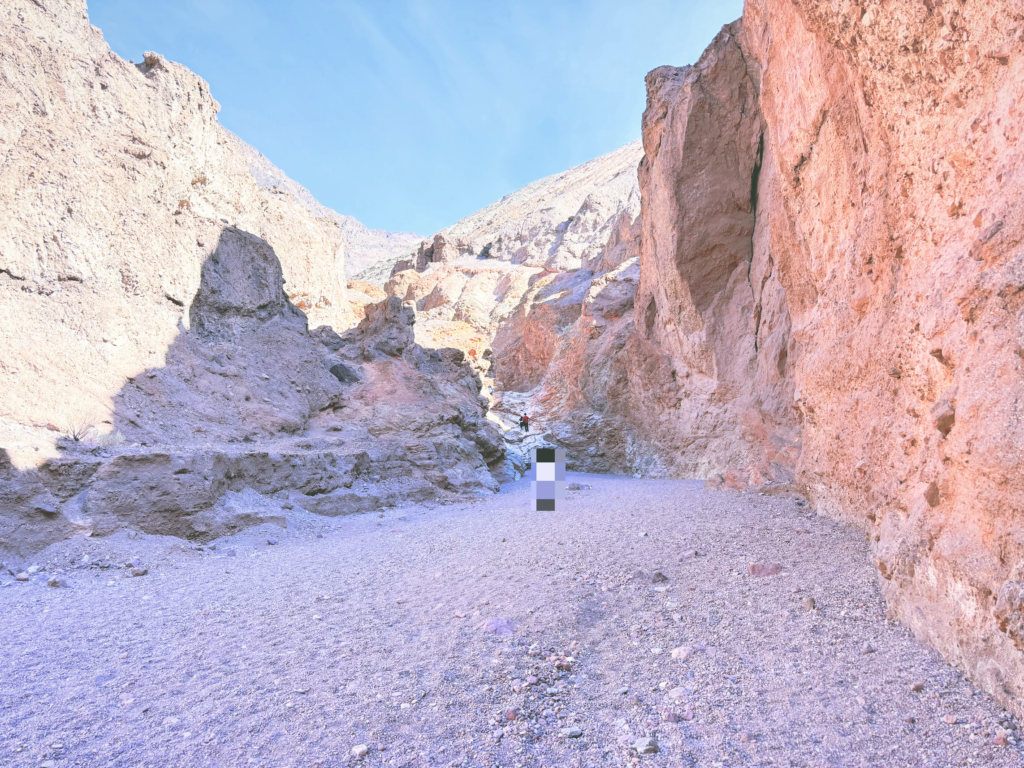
524 422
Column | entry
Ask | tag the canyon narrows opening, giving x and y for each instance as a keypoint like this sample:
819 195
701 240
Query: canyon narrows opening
263 495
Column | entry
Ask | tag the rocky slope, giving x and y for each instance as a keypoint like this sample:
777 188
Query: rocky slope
364 247
157 282
248 399
506 283
116 181
559 223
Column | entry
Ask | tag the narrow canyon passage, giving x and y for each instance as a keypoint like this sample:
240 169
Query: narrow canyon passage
633 613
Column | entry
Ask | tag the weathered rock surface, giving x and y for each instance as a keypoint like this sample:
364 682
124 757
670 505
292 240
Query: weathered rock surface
157 276
895 221
829 292
249 400
506 283
116 181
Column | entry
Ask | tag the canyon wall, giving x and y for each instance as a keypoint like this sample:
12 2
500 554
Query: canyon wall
158 280
115 182
504 284
831 293
896 225
829 298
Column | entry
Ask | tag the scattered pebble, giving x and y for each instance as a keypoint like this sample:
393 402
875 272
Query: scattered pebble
55 582
22 576
917 687
360 750
646 746
572 733
762 569
271 542
140 571
658 577
951 719
808 603
746 738
682 653
866 649
498 626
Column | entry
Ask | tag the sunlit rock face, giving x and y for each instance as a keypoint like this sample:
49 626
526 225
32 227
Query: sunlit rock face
115 183
895 225
828 294
168 297
506 283
830 289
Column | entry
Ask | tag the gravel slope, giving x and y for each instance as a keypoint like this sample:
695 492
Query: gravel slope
295 653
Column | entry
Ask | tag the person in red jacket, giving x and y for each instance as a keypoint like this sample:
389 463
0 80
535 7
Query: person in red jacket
524 422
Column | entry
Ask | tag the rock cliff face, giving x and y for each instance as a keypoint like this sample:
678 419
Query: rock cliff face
116 181
894 221
830 292
249 398
157 280
829 297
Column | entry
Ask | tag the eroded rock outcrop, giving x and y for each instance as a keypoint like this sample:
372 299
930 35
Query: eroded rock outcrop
506 283
249 401
157 278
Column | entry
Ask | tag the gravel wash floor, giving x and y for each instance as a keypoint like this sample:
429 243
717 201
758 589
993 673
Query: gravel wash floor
485 634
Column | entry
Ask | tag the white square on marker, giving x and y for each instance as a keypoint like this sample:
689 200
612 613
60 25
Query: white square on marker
545 470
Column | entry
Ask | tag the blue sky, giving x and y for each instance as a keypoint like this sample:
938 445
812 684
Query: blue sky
411 114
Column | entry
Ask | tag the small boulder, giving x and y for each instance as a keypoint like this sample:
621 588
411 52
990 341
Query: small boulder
646 746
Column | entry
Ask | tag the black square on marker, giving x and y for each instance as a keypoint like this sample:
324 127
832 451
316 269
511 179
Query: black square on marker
545 505
546 455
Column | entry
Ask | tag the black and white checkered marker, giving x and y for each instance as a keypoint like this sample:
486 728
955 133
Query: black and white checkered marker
547 476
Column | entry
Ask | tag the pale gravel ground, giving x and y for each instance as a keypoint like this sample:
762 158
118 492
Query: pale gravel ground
290 655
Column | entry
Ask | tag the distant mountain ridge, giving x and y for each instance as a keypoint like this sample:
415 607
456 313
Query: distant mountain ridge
558 222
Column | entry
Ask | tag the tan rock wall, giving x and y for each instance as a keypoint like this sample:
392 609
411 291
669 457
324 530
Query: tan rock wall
115 182
897 233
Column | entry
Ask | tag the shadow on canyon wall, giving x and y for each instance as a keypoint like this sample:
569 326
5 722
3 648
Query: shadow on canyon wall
249 397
